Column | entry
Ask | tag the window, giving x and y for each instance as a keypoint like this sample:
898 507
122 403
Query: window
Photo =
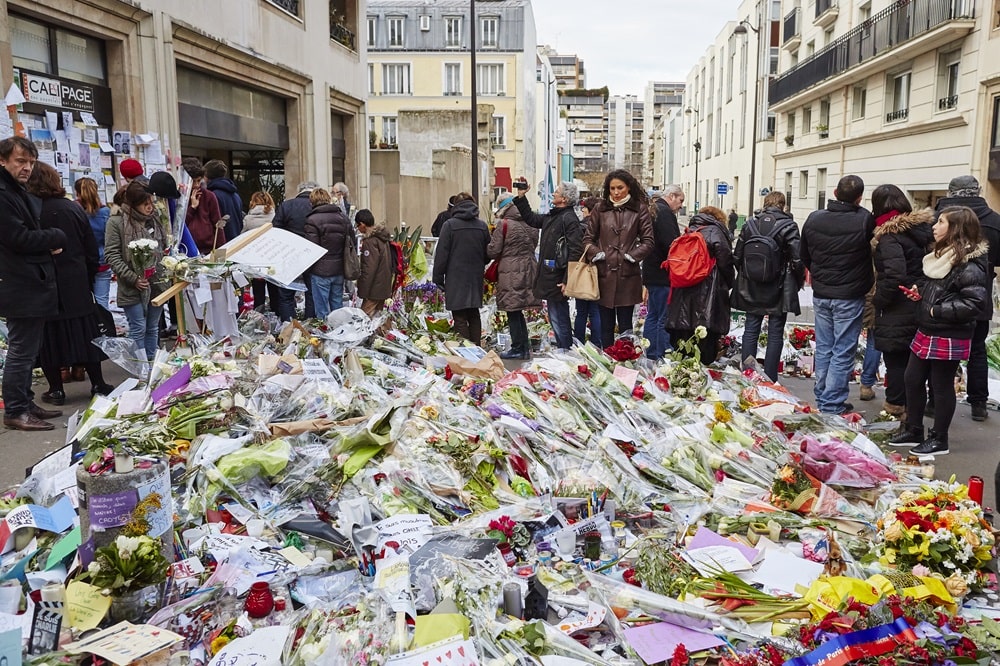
827 37
453 31
396 79
730 74
371 79
899 97
820 189
788 185
497 135
425 22
948 80
810 49
30 43
76 56
803 184
775 10
865 12
396 30
860 101
490 79
771 124
489 29
791 127
389 130
371 124
371 30
807 119
824 113
995 143
452 78
772 68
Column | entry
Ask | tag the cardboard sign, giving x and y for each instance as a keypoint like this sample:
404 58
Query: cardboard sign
284 255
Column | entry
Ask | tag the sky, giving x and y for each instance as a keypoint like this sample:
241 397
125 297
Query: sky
626 43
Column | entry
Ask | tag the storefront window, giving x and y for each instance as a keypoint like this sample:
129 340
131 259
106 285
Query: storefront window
75 56
80 58
30 44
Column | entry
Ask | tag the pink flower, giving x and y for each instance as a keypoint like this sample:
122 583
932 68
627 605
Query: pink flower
920 571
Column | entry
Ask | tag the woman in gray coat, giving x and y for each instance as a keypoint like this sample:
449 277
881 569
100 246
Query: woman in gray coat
513 243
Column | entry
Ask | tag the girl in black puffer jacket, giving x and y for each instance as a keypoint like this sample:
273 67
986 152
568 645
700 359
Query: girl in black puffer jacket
950 299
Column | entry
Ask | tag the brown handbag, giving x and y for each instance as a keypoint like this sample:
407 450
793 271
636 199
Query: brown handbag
581 280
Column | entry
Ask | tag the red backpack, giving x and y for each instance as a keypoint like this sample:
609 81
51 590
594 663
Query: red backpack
398 265
688 260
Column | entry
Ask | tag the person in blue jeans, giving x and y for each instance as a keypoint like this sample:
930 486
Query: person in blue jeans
328 227
587 312
836 248
654 277
869 367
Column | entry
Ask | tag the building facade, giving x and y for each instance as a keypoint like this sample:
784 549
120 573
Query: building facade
584 114
660 96
728 138
275 88
419 60
625 145
896 92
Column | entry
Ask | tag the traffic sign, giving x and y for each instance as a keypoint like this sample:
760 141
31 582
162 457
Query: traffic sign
723 189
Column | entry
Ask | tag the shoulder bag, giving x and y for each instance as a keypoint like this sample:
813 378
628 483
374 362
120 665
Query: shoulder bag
581 280
352 262
492 273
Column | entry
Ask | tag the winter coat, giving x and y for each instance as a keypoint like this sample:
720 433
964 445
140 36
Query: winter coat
989 222
560 227
513 245
616 232
257 218
328 227
836 248
76 265
439 221
98 221
201 221
27 270
377 265
230 204
899 247
956 299
116 253
291 214
771 299
460 257
665 231
706 303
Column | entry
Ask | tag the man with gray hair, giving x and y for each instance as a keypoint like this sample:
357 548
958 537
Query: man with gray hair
341 197
560 243
291 216
654 277
965 191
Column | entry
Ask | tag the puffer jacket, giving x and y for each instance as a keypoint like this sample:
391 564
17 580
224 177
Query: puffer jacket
377 265
256 218
328 227
560 228
706 303
836 248
616 232
513 244
898 247
956 299
665 231
230 204
291 213
989 222
460 257
784 296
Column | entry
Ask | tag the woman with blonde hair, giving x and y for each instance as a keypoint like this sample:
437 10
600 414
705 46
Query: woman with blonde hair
97 214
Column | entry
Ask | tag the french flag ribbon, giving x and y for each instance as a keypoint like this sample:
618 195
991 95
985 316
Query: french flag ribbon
857 645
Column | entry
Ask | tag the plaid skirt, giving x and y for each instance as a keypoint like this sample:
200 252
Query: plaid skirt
935 348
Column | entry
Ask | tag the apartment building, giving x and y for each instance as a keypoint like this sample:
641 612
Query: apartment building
624 143
585 125
568 69
660 96
896 92
273 87
419 60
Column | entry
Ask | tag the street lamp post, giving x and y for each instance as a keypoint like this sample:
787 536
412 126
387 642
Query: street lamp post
697 153
475 101
741 29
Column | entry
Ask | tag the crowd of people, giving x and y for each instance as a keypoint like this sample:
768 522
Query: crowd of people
919 281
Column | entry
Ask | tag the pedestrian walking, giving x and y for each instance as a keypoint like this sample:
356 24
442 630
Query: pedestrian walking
512 244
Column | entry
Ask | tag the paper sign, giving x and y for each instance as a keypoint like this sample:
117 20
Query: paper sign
85 605
14 96
710 559
782 572
706 537
626 376
655 643
45 627
106 147
316 368
58 518
435 627
10 648
114 510
175 382
88 119
409 531
63 548
288 254
261 648
595 616
295 556
125 642
455 652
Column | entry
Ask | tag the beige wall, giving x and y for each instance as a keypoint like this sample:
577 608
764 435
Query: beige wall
385 187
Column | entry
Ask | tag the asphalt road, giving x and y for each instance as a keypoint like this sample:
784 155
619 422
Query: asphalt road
975 447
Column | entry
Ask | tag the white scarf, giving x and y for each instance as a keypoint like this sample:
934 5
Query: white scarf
936 267
619 204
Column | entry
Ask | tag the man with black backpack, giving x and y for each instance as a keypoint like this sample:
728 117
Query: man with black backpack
769 276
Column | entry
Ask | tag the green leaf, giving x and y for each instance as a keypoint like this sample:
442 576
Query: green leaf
991 626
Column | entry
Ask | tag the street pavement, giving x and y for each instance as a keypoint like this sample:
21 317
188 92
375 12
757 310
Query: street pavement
975 447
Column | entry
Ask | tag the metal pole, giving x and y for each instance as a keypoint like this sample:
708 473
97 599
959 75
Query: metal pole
756 116
475 103
697 183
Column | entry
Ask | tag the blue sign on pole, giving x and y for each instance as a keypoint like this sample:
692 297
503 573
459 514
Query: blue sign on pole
723 189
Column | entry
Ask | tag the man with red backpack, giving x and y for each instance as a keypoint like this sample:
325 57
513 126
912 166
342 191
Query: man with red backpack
700 263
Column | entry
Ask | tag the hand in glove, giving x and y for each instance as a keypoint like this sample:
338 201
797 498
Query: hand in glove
629 258
598 257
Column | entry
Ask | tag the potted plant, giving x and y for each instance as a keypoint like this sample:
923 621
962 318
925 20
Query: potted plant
790 140
823 129
372 139
129 569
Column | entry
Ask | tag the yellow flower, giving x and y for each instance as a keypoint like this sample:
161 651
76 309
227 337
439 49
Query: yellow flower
972 539
219 643
956 585
895 532
923 549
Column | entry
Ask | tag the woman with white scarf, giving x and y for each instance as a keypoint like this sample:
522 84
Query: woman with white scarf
951 296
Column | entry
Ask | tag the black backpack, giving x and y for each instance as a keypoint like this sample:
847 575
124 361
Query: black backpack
763 260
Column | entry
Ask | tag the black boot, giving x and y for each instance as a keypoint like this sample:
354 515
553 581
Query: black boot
936 444
907 435
516 353
979 412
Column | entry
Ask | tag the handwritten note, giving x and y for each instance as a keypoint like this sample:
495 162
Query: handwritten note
656 642
285 254
409 532
85 605
125 642
114 510
261 648
456 652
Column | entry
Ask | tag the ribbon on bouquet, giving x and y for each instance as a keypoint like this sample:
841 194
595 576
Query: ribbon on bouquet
858 644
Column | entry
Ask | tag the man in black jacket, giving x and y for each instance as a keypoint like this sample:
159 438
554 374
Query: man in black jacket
28 292
560 243
836 248
654 277
442 217
224 189
290 215
965 191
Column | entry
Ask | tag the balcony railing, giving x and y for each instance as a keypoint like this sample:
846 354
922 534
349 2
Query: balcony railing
901 114
822 6
342 35
290 6
791 27
946 103
901 22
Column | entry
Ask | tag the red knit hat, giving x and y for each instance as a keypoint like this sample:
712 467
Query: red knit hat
130 168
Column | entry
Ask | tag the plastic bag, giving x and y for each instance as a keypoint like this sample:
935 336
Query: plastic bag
124 353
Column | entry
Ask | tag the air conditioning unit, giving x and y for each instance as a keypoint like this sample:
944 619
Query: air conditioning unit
425 23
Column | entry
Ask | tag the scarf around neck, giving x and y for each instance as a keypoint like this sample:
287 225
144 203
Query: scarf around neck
619 204
885 217
936 267
136 225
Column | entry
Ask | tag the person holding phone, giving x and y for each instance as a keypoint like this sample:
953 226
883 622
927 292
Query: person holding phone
949 301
